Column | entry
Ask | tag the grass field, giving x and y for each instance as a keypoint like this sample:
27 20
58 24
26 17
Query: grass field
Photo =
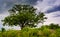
29 32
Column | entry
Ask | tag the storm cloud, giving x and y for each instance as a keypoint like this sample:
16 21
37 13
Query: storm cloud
54 9
6 4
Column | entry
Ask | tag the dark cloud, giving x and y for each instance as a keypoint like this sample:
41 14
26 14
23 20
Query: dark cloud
6 4
55 8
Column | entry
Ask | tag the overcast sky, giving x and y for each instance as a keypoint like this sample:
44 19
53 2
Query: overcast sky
51 8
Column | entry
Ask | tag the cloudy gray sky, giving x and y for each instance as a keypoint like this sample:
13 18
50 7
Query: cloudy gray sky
51 8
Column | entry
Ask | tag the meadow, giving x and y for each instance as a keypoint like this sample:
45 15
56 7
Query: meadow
43 31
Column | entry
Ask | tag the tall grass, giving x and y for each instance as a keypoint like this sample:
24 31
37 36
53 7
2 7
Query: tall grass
31 32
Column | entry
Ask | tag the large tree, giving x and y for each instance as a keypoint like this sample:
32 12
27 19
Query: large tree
23 15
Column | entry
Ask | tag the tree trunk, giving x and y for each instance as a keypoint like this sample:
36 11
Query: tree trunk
21 26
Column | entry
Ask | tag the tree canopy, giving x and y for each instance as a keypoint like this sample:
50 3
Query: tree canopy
23 15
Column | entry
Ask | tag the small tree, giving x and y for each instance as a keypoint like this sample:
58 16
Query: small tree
23 15
3 29
54 26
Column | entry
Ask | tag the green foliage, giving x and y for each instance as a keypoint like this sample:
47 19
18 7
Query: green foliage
3 29
32 32
51 26
23 15
54 26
